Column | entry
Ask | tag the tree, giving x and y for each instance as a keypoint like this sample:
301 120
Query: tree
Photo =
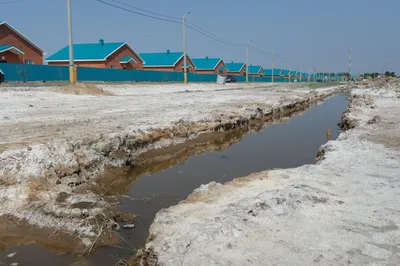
374 75
390 74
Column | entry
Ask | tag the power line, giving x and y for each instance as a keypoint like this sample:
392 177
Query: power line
215 36
138 13
190 25
147 11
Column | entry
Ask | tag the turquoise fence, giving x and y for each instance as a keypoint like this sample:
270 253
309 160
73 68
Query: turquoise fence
261 79
26 73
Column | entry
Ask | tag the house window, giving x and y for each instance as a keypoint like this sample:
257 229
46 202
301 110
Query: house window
113 67
29 62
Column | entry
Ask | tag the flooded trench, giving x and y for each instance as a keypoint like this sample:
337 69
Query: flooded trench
165 177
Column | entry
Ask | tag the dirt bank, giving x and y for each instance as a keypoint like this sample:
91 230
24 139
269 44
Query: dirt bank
54 145
341 210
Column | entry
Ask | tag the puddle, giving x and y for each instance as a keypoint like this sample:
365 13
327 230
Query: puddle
222 157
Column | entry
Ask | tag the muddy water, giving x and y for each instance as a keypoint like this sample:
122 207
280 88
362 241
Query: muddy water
222 158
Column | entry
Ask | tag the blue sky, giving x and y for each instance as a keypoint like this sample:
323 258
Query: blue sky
318 33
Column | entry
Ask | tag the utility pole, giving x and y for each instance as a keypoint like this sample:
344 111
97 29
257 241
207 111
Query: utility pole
290 68
301 73
185 80
309 75
247 61
273 65
71 45
350 51
315 74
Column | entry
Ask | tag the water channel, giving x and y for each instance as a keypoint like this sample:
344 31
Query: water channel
286 144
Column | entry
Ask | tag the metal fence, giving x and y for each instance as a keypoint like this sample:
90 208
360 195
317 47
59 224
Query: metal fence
27 73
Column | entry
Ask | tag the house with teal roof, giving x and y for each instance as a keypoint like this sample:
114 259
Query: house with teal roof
16 48
235 68
209 65
285 73
116 55
277 72
255 70
167 61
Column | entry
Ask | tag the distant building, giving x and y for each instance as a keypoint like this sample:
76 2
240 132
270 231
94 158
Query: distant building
256 71
167 61
16 48
238 69
118 55
277 72
285 73
208 65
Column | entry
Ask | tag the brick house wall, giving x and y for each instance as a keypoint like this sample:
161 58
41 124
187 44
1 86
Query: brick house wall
112 60
115 58
9 37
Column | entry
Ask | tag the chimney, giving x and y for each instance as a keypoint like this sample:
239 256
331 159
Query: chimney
101 42
168 51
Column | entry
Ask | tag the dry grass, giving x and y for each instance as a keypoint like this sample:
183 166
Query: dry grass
83 89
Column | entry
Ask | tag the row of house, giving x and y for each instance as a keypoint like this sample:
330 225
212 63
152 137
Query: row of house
18 49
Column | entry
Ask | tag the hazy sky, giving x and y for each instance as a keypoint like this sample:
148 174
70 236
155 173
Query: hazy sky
318 33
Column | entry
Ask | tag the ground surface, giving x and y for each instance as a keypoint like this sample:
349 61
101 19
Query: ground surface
38 114
341 211
55 141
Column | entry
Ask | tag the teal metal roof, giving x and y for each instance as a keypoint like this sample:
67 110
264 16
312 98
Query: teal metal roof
87 51
293 73
253 70
127 59
234 67
165 59
285 72
12 48
268 72
206 63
